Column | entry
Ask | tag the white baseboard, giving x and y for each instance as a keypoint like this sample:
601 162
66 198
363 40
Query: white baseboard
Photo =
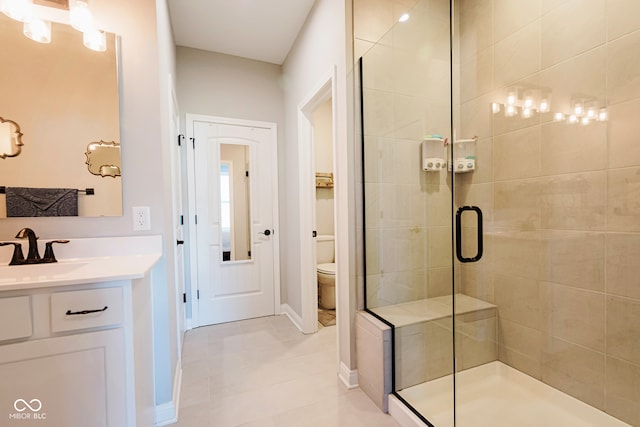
292 315
403 415
348 377
167 413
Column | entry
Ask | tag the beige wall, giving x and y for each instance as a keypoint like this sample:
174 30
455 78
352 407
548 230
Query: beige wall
560 200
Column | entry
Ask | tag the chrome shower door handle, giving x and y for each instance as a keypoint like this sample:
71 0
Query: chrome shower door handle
459 213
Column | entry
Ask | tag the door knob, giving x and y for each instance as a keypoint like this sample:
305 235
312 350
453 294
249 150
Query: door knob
266 232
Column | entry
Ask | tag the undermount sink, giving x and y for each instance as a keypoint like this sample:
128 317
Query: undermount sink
10 273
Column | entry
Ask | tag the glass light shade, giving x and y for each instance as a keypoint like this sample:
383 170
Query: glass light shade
80 16
510 111
495 107
603 116
573 119
558 117
544 106
20 10
527 113
38 30
511 99
584 121
95 40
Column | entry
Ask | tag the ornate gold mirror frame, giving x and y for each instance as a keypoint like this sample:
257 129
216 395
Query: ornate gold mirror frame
10 139
103 158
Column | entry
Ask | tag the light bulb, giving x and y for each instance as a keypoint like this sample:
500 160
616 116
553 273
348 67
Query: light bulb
544 106
578 110
95 40
38 30
558 117
527 113
404 17
585 121
20 10
573 118
603 116
591 113
528 102
495 107
510 111
80 16
511 99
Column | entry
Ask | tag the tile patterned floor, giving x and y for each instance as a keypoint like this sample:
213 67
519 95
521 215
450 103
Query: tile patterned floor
264 373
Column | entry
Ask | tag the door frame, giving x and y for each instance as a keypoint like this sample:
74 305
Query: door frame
306 169
191 184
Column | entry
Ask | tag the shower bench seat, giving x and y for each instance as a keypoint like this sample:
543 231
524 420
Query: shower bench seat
423 336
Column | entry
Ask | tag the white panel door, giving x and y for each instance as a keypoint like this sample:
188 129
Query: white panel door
236 267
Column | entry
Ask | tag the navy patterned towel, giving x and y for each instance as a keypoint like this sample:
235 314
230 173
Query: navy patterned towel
22 201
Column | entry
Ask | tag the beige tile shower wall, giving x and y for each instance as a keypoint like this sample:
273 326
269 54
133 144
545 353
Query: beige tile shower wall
562 201
406 75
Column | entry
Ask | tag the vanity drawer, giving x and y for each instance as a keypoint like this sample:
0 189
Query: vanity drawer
86 309
15 318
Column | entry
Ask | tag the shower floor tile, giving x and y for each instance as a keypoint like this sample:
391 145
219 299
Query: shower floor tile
497 395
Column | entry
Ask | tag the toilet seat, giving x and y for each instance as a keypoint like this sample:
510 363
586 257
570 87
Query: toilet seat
328 268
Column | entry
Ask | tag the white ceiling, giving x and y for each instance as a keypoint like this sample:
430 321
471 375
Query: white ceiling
263 30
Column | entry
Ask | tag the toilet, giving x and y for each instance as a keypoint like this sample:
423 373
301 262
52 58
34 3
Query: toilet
326 269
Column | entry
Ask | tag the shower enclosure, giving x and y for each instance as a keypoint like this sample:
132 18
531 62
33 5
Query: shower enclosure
501 183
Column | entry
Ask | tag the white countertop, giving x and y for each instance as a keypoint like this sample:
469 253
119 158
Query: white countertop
85 260
76 271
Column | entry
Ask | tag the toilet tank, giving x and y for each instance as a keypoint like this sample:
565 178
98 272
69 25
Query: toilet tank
325 249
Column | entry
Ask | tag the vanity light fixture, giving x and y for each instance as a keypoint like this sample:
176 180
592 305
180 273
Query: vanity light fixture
20 10
39 30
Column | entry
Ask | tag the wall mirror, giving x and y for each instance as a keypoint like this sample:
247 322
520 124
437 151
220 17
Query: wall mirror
10 138
235 202
63 96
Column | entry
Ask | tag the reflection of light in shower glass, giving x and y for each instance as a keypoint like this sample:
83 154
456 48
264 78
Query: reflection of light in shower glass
510 111
404 17
578 110
573 118
495 107
528 102
603 115
527 112
544 106
585 120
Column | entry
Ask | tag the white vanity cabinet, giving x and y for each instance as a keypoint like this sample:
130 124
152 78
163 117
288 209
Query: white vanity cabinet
74 368
76 336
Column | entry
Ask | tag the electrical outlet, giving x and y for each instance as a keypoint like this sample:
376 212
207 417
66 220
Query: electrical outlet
141 218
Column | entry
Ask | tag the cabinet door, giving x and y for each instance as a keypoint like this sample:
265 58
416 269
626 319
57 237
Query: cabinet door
72 381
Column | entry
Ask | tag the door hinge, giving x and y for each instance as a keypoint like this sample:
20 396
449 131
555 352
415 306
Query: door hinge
249 254
196 219
181 219
198 293
246 173
180 138
184 298
314 233
193 142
